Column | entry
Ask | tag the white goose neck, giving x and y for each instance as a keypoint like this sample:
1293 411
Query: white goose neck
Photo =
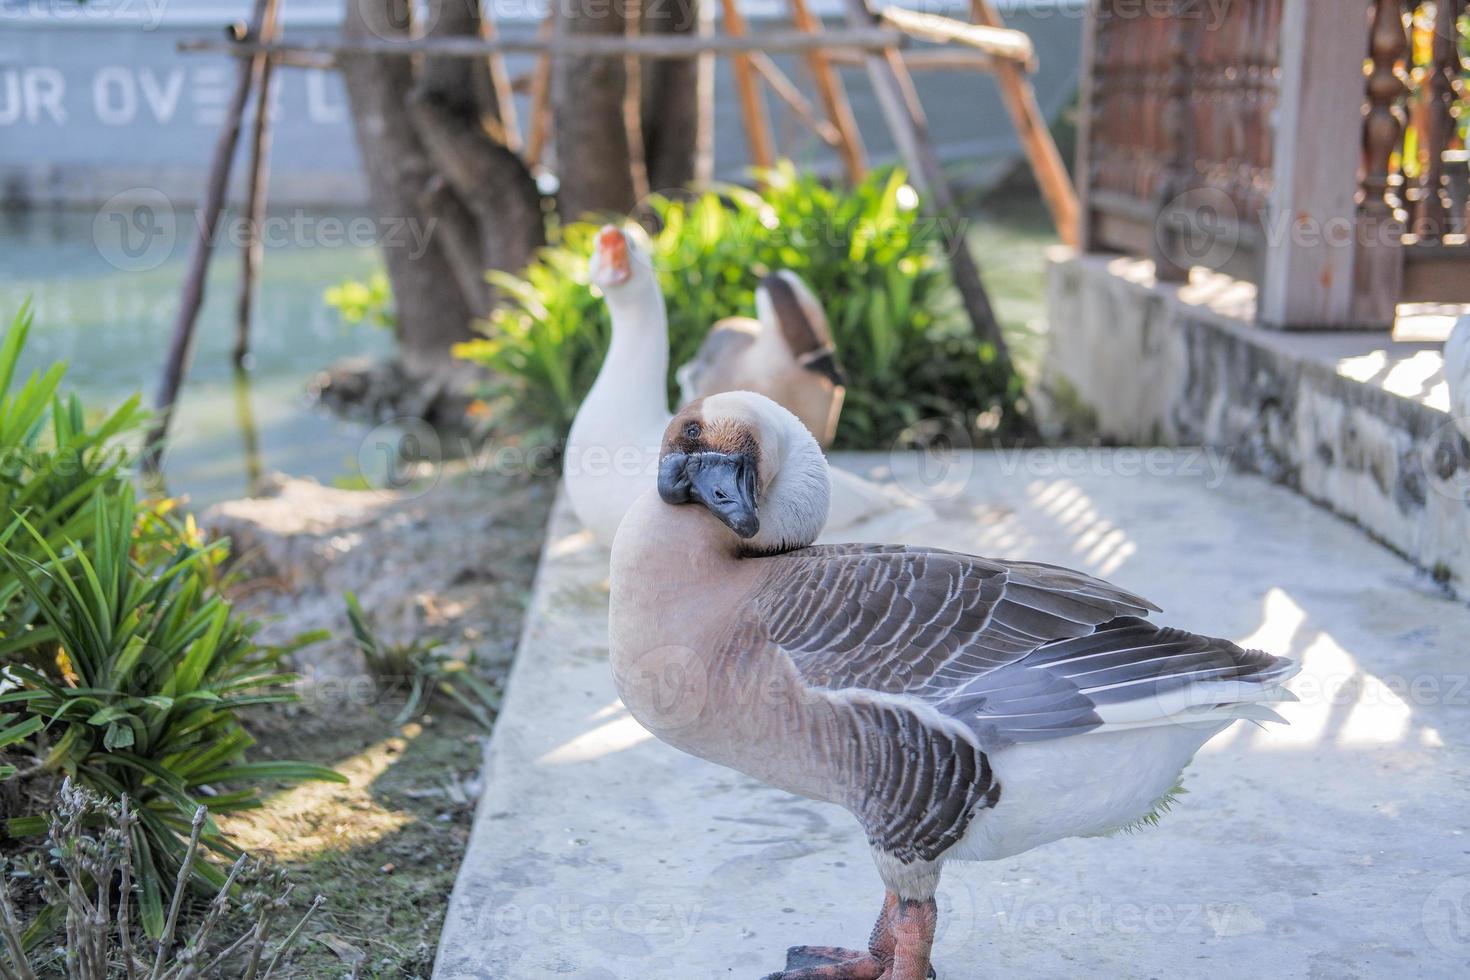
637 364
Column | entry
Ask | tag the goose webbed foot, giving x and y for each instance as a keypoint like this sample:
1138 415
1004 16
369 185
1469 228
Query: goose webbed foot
898 949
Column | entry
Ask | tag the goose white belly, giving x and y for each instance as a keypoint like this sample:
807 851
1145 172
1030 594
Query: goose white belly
1081 786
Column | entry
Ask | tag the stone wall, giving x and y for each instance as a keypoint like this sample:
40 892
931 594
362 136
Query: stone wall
1134 362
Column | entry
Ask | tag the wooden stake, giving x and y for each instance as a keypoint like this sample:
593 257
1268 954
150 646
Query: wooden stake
752 108
500 81
834 97
181 348
256 190
1020 99
899 102
541 97
787 92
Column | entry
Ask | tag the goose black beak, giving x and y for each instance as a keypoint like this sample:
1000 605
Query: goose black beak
723 482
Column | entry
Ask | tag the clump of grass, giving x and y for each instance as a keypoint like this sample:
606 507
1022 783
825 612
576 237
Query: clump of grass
421 670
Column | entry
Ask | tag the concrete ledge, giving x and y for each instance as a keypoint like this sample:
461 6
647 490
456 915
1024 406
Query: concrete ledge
1334 847
1353 420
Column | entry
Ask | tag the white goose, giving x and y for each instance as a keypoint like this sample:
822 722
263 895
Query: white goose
960 707
1457 373
612 448
785 353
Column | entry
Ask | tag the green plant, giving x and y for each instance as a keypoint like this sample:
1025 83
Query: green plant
877 264
421 671
90 860
121 664
367 301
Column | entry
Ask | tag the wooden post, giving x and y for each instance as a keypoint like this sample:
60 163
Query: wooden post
1431 219
785 90
752 108
1378 276
1031 126
894 89
1310 255
834 97
256 190
540 130
181 347
505 102
1088 108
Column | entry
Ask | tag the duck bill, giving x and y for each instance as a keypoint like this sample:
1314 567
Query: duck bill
725 484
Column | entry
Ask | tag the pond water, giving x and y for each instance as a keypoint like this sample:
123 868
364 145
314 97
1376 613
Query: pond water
110 321
111 325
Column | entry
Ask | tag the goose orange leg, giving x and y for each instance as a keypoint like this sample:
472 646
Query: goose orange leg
898 949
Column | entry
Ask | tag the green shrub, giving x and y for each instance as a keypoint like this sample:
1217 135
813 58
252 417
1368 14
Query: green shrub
369 301
121 665
876 263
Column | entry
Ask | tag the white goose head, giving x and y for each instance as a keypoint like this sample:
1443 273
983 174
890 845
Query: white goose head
750 463
621 267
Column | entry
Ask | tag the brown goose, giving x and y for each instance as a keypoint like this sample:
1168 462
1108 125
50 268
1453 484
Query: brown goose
786 353
960 707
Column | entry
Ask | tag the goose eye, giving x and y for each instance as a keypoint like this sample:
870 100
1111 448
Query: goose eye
691 431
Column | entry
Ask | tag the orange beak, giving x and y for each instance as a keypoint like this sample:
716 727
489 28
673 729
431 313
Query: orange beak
612 253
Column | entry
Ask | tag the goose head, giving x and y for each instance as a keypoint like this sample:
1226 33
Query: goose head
620 263
750 463
789 310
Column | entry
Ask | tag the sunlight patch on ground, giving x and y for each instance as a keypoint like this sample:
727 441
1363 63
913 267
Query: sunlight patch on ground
302 822
614 736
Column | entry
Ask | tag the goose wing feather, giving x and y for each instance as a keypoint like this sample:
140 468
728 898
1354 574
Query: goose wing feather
1016 651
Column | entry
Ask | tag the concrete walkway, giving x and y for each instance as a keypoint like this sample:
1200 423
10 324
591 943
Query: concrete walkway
1336 848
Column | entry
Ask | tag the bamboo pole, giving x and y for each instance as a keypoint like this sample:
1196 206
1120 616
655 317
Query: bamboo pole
181 347
998 42
787 91
500 81
833 96
899 102
540 130
587 45
747 86
924 59
256 189
1031 126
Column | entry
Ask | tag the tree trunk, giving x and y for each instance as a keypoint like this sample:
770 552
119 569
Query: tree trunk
456 111
431 318
592 153
677 102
